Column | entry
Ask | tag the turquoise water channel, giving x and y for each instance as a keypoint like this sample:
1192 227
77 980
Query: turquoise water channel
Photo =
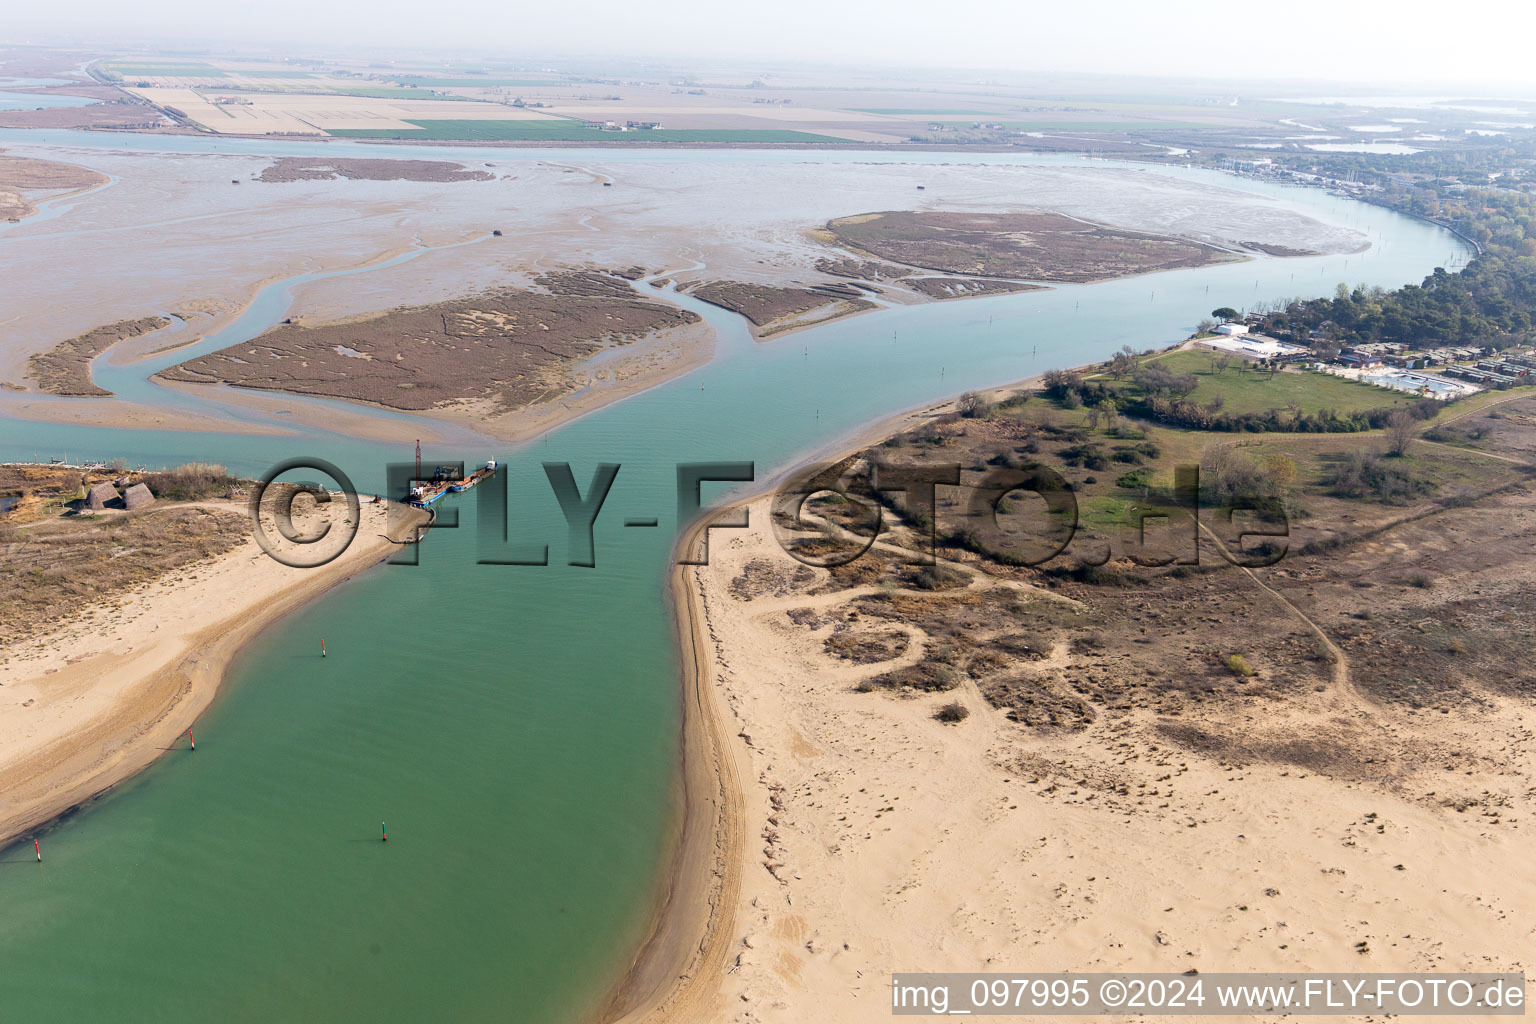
517 727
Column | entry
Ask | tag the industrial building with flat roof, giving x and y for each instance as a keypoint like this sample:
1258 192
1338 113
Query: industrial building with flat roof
1257 347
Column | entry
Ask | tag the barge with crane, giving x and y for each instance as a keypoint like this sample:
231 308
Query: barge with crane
444 480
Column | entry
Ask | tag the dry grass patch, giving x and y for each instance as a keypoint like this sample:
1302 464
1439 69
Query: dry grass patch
53 572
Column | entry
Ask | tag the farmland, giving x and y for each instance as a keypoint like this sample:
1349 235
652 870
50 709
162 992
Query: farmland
427 82
161 71
382 93
570 131
385 99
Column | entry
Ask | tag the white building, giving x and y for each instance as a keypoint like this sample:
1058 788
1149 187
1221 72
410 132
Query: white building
1231 329
1256 347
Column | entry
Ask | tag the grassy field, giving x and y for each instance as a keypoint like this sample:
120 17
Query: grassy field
1104 504
1467 407
59 567
570 131
1246 389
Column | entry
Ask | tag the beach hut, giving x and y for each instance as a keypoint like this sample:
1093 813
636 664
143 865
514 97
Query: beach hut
98 496
138 496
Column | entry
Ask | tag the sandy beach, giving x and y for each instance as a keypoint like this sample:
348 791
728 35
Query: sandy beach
828 837
98 700
690 943
114 412
867 837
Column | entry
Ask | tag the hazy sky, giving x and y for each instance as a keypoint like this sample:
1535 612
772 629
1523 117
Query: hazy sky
1370 41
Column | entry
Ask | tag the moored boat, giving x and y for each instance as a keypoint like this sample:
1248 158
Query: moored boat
485 471
443 482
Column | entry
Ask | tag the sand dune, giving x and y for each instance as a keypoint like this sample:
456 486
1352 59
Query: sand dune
873 838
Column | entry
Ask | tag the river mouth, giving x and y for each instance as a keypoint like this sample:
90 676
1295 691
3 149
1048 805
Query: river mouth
515 725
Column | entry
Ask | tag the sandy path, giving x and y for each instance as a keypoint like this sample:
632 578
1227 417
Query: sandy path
1343 682
98 700
1472 451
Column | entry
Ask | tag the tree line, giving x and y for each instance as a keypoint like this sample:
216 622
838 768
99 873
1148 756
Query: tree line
1490 303
1162 396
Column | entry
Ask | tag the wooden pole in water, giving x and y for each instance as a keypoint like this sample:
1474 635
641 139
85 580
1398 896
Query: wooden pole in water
383 833
39 850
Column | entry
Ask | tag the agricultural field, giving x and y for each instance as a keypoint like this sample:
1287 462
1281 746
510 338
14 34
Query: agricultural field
1070 126
361 101
132 71
562 130
919 112
709 107
382 93
231 112
428 82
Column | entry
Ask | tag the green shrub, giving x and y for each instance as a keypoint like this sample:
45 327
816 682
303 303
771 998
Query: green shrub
1135 480
928 676
938 577
1371 476
1015 400
974 405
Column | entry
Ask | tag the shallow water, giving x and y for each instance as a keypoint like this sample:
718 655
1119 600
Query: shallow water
515 726
37 101
1396 148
